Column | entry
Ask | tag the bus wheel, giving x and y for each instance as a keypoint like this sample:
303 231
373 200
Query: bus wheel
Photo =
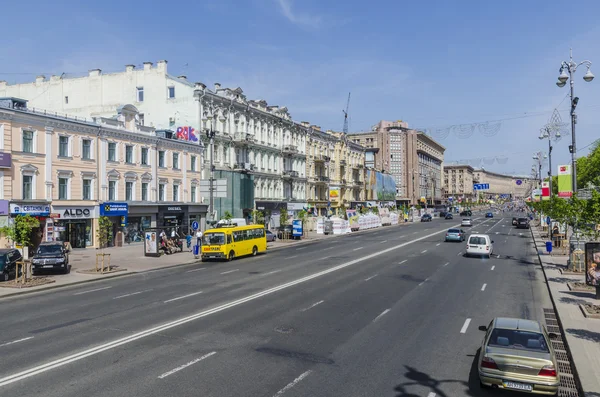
254 251
231 256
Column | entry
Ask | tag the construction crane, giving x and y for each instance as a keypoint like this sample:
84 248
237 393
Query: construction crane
346 115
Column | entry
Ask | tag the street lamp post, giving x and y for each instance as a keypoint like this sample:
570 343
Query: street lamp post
570 67
210 134
539 158
548 133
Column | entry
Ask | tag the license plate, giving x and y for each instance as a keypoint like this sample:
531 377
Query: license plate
48 266
517 386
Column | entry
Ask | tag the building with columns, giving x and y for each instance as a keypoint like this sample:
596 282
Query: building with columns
69 171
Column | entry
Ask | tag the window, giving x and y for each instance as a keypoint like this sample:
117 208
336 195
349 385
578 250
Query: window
63 188
129 191
87 189
141 118
193 163
86 149
144 191
171 92
28 141
161 158
129 154
176 160
144 156
63 146
140 94
161 192
518 340
66 100
175 192
193 194
112 151
112 190
27 187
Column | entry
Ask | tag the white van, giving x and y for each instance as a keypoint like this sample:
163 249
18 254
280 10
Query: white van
233 222
480 245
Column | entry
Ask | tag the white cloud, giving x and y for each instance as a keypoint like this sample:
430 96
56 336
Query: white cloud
298 18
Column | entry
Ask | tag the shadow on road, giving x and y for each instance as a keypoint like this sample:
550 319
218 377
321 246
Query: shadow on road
584 334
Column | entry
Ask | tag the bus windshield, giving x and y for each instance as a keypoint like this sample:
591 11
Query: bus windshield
214 239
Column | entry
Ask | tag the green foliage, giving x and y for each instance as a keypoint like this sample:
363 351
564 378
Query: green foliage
588 168
258 216
284 217
303 215
104 232
583 215
20 230
363 210
227 216
375 210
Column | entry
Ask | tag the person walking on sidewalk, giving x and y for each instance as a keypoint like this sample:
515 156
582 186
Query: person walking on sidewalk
199 238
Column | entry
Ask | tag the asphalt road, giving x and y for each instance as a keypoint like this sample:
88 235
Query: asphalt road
388 312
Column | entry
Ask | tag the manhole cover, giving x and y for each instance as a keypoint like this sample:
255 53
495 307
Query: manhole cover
284 330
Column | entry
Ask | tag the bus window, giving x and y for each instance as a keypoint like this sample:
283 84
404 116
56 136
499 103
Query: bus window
214 239
229 239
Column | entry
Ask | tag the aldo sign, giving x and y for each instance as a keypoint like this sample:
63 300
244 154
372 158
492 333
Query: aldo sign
75 212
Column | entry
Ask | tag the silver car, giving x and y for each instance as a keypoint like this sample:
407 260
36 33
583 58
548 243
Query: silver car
466 222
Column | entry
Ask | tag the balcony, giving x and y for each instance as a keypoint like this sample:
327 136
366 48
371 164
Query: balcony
290 174
320 179
244 167
343 163
344 182
320 158
244 138
290 149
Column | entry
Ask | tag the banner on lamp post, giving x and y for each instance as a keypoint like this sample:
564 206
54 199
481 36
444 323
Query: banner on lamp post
545 190
536 195
565 184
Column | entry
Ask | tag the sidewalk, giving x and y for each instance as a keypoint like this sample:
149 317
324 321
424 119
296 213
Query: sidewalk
130 259
582 335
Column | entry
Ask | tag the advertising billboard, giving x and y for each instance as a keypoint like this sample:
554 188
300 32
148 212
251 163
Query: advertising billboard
565 183
334 193
545 190
380 187
592 264
186 134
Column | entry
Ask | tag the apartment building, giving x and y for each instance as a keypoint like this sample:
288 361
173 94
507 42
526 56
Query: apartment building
320 150
458 182
501 184
68 172
347 175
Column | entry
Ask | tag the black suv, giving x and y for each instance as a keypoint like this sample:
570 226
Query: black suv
466 213
8 263
51 256
426 218
522 223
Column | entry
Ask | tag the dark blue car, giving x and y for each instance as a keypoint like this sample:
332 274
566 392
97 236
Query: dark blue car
489 215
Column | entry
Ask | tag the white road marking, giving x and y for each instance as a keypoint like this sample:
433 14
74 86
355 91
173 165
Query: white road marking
383 242
497 232
424 251
520 234
293 383
465 326
300 248
415 232
369 278
493 267
438 244
230 271
91 290
171 372
92 351
483 288
196 270
356 249
446 264
16 341
292 257
133 293
404 235
383 313
325 257
423 282
176 299
273 272
497 256
432 394
311 306
328 248
459 254
403 261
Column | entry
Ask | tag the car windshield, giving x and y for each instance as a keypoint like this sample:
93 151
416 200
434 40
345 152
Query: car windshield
474 240
453 231
466 220
49 249
518 339
214 238
522 219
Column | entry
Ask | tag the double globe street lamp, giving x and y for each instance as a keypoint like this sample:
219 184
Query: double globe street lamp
549 134
567 70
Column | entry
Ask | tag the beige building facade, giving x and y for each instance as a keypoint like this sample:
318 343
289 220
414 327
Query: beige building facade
504 184
68 172
458 182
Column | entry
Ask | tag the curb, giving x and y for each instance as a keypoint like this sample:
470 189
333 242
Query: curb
564 336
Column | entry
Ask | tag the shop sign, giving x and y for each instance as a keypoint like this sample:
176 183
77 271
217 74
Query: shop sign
5 160
296 206
4 207
75 212
30 209
186 134
114 209
174 209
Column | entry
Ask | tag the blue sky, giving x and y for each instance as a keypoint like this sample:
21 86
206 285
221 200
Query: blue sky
434 64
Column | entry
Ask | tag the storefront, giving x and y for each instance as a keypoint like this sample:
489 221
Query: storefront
140 218
117 213
181 217
40 210
74 224
295 208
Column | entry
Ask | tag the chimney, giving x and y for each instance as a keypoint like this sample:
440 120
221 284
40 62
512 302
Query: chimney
199 86
162 66
147 65
182 77
40 79
129 68
315 127
305 124
95 72
217 86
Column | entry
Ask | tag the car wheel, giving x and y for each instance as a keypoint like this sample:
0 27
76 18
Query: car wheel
254 251
231 256
67 270
6 276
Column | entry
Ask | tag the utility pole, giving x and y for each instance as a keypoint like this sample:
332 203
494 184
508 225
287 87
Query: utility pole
210 134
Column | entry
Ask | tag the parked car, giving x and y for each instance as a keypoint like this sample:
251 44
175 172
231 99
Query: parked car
51 256
522 223
517 354
489 215
449 216
270 236
443 214
515 220
286 231
455 235
426 218
8 263
466 222
480 245
466 213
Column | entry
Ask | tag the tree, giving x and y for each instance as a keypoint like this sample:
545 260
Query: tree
375 210
283 217
258 217
588 166
20 230
227 216
104 232
303 216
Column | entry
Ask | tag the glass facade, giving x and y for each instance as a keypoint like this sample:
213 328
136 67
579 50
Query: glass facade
240 194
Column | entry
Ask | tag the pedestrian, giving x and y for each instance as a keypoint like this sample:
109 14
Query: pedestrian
188 239
198 238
